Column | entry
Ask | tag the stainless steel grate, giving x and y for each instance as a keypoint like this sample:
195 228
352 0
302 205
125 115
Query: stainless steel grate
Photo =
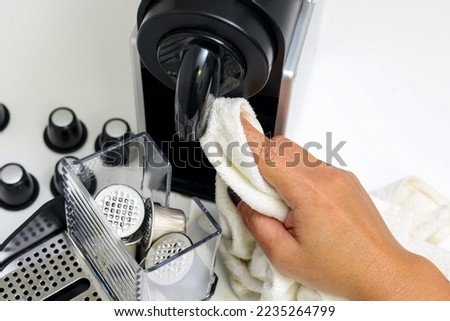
53 270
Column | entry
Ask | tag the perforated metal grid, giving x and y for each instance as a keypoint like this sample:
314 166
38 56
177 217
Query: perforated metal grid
163 249
52 270
123 207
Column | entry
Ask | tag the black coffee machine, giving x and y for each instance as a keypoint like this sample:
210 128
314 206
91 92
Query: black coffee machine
188 52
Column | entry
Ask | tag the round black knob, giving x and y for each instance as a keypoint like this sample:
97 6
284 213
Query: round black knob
57 183
114 130
18 189
4 117
64 133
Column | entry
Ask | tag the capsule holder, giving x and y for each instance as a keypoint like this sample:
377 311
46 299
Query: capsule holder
148 172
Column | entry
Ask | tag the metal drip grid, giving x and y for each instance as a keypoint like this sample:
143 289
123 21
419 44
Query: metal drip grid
53 270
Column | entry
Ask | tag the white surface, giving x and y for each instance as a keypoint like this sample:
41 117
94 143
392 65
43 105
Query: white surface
379 81
60 53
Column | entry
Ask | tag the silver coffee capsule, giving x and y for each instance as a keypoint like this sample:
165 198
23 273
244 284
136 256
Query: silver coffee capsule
132 242
160 221
164 248
123 207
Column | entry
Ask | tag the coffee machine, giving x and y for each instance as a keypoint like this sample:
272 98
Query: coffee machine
187 52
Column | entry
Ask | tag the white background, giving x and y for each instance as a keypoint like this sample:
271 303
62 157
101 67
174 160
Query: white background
380 80
60 53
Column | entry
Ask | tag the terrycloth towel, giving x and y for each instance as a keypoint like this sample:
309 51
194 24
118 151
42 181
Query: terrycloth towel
417 215
225 144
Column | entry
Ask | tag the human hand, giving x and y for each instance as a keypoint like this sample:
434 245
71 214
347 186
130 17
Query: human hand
334 238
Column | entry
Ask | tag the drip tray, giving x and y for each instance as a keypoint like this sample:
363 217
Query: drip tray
54 270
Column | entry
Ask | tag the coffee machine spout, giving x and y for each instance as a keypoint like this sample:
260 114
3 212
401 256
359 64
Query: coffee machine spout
197 86
192 51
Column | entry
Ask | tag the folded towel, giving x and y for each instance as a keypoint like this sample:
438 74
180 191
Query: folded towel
226 147
417 215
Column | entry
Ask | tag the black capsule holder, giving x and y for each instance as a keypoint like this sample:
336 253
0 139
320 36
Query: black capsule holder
12 191
62 140
4 117
65 139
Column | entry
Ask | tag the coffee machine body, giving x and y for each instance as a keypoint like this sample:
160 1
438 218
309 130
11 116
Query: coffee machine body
246 48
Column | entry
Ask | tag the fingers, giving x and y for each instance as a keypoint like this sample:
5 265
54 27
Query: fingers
282 163
269 233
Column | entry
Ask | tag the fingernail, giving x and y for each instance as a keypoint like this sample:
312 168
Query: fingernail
233 197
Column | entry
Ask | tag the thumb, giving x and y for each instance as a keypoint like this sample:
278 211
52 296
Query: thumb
283 164
268 232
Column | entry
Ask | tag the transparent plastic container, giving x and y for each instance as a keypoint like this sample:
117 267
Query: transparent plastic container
137 163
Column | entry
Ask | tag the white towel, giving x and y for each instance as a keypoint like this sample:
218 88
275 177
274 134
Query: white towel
417 215
225 144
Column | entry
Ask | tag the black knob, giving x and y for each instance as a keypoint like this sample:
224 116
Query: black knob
18 189
4 117
64 133
114 130
57 182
